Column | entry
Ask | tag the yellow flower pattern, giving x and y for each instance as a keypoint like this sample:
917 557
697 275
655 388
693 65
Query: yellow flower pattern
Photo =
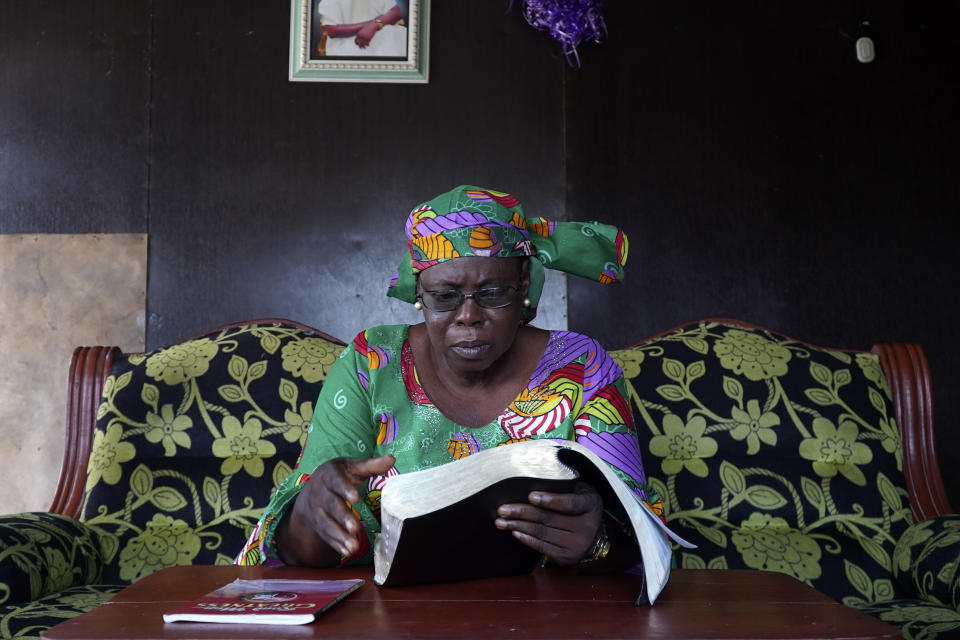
169 430
835 449
683 446
762 463
773 454
629 361
241 447
769 543
182 362
754 426
298 423
156 494
165 542
310 358
106 455
755 356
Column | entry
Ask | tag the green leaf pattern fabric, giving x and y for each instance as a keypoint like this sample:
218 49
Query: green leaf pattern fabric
46 561
26 621
777 455
42 553
772 454
925 563
190 443
192 440
768 453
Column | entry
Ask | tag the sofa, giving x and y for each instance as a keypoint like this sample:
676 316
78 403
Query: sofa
774 454
769 453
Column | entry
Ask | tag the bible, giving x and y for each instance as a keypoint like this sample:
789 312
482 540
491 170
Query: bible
268 601
437 524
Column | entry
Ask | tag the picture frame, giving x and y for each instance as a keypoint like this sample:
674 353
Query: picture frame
359 41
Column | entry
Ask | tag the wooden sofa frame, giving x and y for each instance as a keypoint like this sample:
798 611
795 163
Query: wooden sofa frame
905 365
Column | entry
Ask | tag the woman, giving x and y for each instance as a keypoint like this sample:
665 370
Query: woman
472 375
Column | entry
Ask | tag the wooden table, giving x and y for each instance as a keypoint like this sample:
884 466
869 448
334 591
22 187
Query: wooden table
554 603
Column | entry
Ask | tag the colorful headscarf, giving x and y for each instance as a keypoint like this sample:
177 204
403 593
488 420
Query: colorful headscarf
473 221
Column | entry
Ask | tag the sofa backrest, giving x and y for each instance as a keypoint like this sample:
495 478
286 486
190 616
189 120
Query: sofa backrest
191 441
772 454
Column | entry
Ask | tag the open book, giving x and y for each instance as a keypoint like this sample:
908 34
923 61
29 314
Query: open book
437 524
266 601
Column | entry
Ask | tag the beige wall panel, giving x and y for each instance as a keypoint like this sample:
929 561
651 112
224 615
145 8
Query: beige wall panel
57 292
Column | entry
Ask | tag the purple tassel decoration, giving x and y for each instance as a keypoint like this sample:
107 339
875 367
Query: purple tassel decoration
570 22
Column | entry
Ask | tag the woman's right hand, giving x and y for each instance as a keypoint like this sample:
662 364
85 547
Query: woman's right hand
321 526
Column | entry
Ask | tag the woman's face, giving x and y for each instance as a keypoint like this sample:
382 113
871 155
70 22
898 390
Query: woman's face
471 338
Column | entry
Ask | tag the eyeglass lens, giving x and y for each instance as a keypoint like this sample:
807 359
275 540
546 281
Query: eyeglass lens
450 299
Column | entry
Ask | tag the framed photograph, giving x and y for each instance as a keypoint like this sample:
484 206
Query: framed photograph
359 40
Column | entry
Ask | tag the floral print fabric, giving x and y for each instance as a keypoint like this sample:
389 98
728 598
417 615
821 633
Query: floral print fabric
471 221
44 553
372 404
772 454
716 405
777 455
28 620
191 441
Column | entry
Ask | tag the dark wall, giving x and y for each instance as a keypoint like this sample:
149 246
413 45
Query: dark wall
290 194
74 116
761 172
261 197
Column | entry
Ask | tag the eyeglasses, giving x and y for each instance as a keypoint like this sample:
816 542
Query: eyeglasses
450 299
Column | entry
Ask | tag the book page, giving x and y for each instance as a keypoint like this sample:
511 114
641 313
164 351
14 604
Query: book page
652 534
407 499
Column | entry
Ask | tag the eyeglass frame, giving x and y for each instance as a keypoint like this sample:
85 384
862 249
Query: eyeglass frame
472 294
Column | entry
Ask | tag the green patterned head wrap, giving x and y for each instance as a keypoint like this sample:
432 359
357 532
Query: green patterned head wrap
474 221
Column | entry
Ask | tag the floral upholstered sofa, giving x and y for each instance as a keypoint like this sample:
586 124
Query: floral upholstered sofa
171 457
769 454
778 455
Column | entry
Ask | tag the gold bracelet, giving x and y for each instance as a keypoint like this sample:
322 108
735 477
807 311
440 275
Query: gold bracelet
600 547
379 22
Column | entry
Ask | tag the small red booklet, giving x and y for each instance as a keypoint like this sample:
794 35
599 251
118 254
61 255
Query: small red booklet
266 601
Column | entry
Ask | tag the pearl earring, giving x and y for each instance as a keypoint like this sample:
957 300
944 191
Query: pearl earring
417 305
526 302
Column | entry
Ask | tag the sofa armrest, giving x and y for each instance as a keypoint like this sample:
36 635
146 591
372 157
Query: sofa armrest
89 368
41 553
926 560
908 374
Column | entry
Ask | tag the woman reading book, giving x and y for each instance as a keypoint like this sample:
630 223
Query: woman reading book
473 375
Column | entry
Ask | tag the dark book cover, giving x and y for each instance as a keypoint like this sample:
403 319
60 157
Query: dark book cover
461 542
438 523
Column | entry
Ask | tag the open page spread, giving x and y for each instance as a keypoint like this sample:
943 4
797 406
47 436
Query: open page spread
455 505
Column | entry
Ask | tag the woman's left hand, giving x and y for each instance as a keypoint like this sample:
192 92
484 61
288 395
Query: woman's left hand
562 526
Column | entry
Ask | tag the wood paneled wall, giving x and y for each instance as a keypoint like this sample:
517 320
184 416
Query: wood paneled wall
761 172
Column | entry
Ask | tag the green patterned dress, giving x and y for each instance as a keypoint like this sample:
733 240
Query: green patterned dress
372 404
